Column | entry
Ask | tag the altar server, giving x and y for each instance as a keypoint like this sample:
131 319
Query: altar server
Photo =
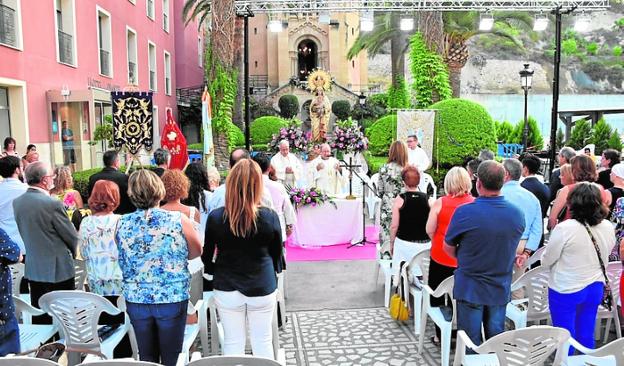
416 155
326 172
287 166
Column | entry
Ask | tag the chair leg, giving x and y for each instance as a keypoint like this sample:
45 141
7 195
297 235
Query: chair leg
387 290
423 325
445 342
417 311
597 329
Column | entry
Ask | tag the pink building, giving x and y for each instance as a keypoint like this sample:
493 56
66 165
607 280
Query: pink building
60 59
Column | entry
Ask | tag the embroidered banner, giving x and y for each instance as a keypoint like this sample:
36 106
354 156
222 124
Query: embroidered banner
420 122
132 121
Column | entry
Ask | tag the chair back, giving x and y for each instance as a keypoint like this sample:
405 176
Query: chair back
375 183
426 181
77 313
528 346
81 274
22 307
535 284
26 361
615 348
535 257
119 363
17 273
614 272
234 361
421 262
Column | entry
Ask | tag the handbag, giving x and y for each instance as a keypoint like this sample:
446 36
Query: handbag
607 297
399 309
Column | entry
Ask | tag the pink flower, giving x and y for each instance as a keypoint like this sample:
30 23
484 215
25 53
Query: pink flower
308 200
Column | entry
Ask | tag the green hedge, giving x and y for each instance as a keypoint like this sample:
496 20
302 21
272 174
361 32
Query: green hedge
235 135
381 134
375 162
263 128
341 109
464 129
288 105
81 180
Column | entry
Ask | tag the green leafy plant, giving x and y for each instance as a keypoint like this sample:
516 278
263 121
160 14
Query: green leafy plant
617 51
458 138
374 162
559 139
104 132
535 140
235 136
398 96
379 99
614 140
223 90
600 136
592 49
288 105
569 47
431 79
619 24
381 134
342 109
504 132
581 133
263 129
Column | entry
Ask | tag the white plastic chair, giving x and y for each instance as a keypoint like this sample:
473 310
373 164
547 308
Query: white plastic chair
217 336
119 362
535 257
372 201
614 271
435 313
77 313
281 301
613 350
534 307
25 361
17 273
418 267
31 335
385 265
530 346
234 361
426 181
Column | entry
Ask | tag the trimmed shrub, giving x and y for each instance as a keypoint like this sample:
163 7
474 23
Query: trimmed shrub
614 140
288 105
600 137
375 162
535 141
235 136
465 128
581 133
381 134
504 132
342 109
263 128
380 100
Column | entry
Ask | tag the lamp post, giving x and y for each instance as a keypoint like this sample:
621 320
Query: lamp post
362 99
526 78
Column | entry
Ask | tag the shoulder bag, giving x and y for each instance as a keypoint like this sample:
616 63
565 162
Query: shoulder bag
398 305
607 297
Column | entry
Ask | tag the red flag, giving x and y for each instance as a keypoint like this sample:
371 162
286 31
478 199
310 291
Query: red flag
173 140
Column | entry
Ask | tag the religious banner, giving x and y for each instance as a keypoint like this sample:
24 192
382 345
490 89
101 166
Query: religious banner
207 128
173 140
132 121
420 122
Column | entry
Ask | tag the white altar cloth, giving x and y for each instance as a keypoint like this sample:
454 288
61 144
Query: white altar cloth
325 225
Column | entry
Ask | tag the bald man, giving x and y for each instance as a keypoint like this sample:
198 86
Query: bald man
326 173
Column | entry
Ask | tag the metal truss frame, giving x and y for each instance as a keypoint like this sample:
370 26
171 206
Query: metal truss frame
333 6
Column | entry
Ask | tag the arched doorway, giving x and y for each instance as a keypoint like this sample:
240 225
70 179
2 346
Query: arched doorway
307 55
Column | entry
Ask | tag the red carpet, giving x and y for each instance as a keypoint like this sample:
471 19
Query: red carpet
335 252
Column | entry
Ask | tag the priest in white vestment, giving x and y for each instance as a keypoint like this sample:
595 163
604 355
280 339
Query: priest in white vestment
287 166
416 155
326 173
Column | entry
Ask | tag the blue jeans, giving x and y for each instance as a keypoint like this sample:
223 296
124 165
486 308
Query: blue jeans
159 330
9 337
470 317
576 312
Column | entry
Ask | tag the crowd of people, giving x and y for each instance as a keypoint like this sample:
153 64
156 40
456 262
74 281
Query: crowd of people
140 234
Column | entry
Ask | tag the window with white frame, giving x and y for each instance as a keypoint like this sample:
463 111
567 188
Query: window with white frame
10 23
200 52
105 42
165 5
65 20
133 64
151 54
150 8
167 73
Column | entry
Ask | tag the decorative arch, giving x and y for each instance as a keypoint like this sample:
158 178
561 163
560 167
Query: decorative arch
315 35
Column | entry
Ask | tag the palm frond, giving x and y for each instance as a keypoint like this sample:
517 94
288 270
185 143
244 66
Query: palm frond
193 9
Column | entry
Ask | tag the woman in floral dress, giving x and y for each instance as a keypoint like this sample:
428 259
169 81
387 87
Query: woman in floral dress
390 185
64 190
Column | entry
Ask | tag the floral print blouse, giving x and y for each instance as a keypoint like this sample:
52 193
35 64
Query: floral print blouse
153 256
97 247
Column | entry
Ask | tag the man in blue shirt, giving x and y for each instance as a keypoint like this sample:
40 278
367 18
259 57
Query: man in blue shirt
483 236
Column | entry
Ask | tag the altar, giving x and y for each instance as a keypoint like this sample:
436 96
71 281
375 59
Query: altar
326 225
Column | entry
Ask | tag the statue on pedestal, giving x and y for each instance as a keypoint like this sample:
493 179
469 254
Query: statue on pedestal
319 82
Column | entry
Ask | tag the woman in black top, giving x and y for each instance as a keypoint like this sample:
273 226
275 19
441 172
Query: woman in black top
408 235
248 242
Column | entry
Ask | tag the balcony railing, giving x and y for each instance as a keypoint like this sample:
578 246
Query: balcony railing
132 72
66 46
104 62
152 80
7 26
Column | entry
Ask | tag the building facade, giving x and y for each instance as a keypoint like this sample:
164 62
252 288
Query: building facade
60 60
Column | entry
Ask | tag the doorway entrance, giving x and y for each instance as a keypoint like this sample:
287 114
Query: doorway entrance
307 55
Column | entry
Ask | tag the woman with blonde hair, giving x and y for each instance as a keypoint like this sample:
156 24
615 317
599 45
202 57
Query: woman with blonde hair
457 185
154 248
248 241
64 190
389 186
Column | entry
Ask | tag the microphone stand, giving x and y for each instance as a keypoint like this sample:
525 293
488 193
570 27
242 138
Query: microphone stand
364 241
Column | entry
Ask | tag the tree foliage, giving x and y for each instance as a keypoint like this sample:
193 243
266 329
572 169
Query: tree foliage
614 141
341 109
581 133
381 134
535 140
600 136
263 129
431 79
288 105
559 139
398 96
504 132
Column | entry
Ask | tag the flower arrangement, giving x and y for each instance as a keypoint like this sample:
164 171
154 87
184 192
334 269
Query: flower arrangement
348 137
294 134
312 196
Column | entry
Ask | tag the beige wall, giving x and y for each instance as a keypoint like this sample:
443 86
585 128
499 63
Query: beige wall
18 111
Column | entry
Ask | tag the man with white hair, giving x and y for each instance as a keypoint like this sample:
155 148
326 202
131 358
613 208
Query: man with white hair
326 172
287 166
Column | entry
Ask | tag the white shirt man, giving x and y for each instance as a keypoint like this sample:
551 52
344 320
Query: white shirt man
287 166
416 156
326 172
11 188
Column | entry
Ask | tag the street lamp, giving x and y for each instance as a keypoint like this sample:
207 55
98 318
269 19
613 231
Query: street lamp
526 78
362 99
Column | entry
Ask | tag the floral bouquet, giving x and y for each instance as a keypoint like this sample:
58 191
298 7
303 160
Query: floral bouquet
312 196
294 134
348 137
